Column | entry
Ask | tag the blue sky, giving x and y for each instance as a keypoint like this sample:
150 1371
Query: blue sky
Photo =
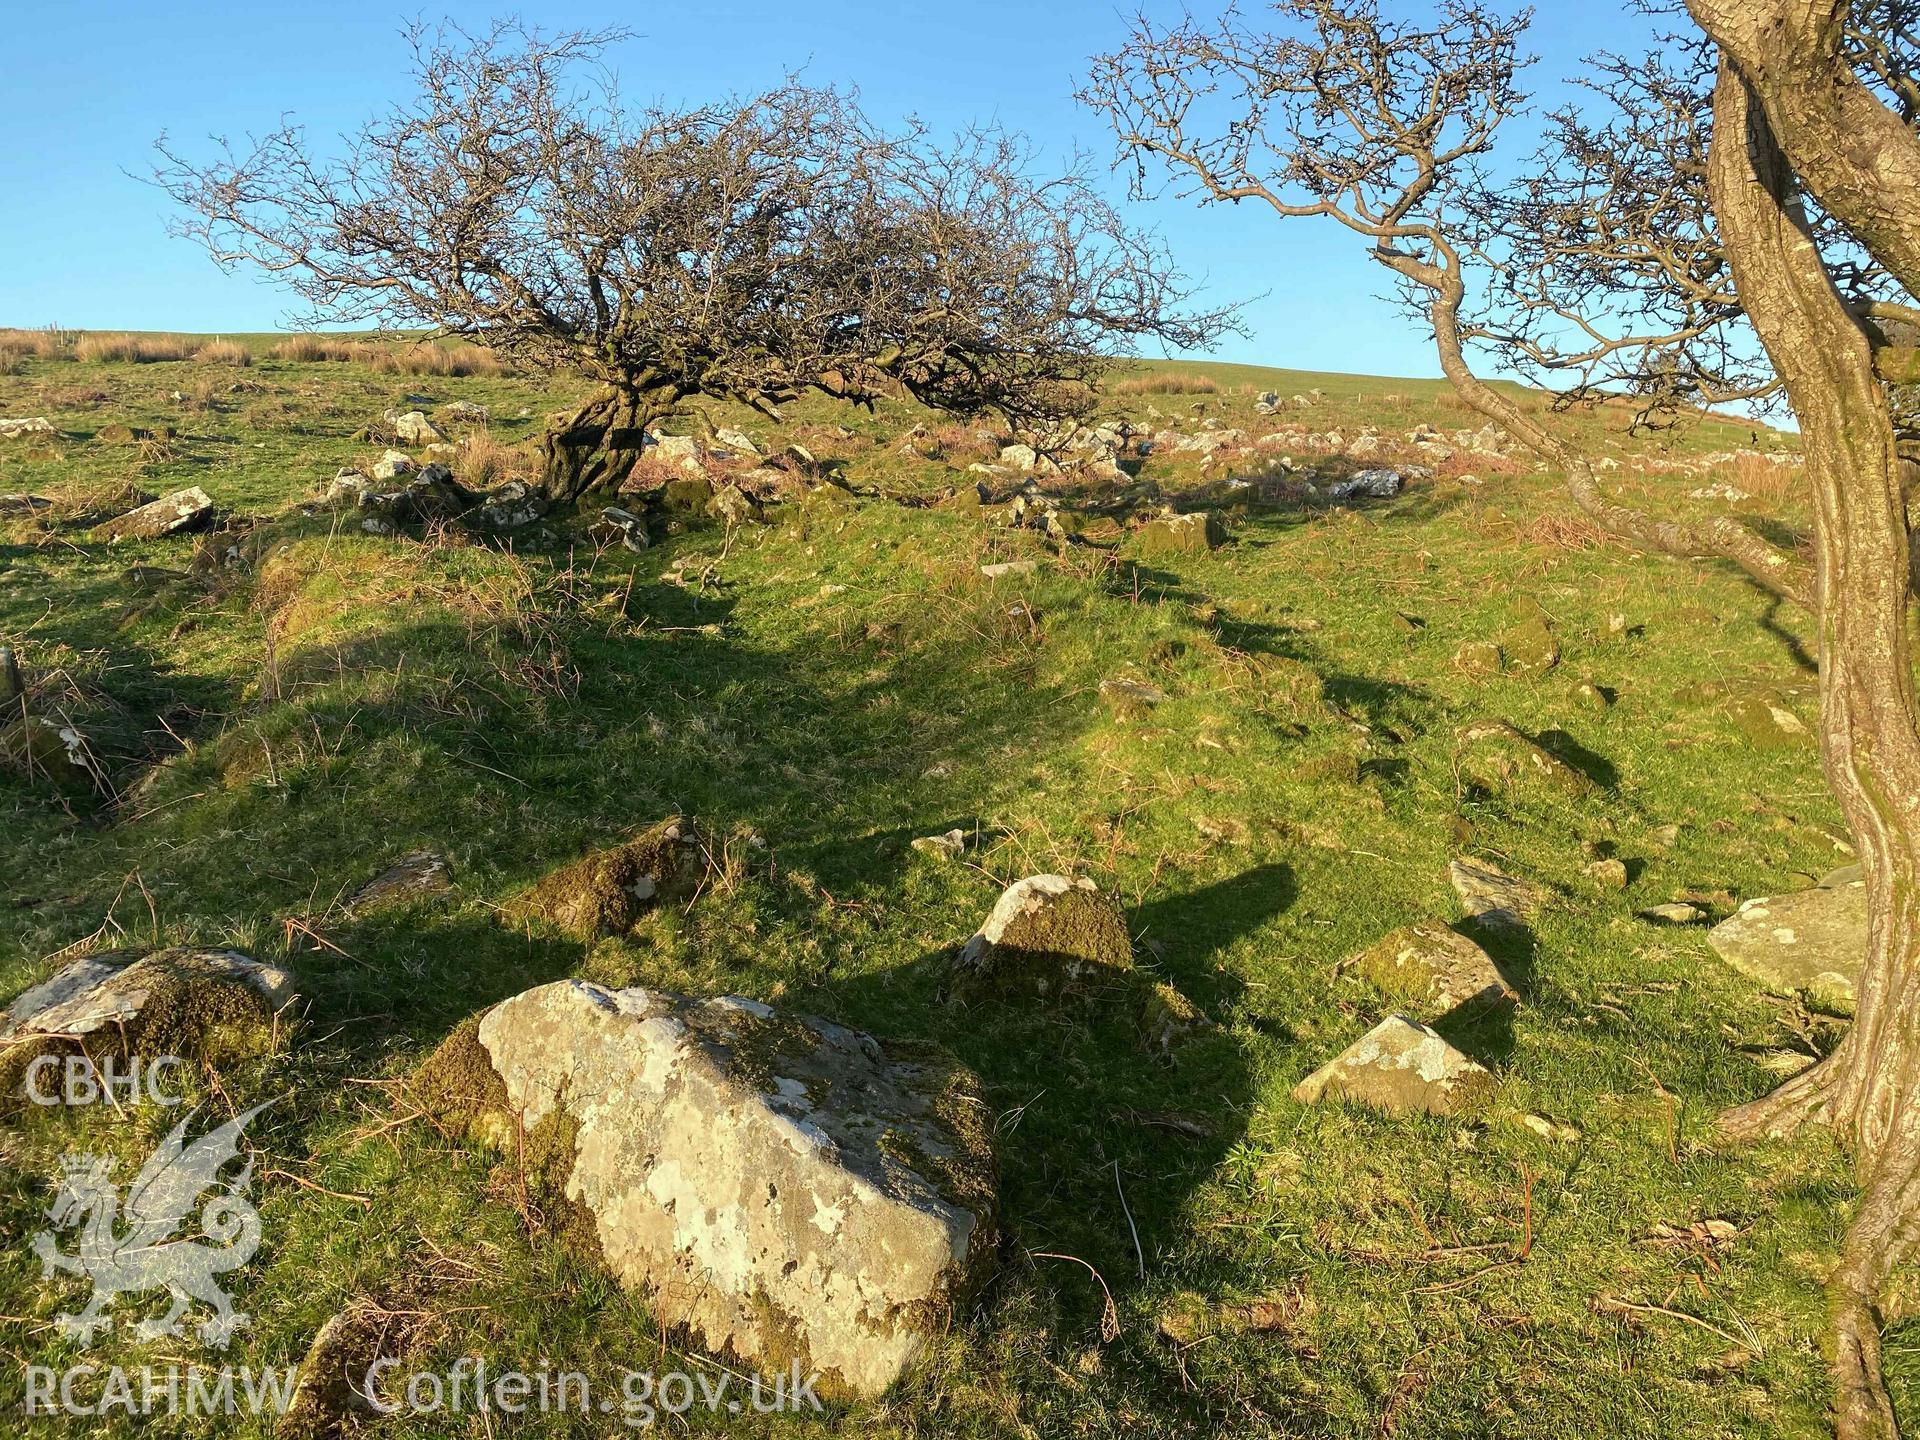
91 85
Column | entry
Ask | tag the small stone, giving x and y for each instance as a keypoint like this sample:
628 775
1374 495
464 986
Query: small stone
36 427
1130 699
621 526
1432 966
1594 697
1401 1067
1547 1129
950 846
1495 754
1172 536
1167 1017
681 451
411 877
1610 873
1001 569
733 505
393 465
1367 484
1478 657
1675 912
1530 647
1765 723
213 1004
39 747
606 892
416 429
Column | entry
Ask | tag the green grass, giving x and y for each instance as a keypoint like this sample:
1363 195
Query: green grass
820 691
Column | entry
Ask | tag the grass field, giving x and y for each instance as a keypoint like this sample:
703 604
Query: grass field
821 689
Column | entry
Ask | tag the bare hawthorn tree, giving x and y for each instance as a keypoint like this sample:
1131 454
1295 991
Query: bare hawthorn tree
1745 224
748 251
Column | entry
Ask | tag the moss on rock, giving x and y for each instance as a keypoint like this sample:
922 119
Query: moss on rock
605 892
1048 936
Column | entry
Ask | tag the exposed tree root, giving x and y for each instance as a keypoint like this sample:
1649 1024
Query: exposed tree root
1812 1096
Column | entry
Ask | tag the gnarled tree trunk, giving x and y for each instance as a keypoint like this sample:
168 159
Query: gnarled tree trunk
596 445
1869 1088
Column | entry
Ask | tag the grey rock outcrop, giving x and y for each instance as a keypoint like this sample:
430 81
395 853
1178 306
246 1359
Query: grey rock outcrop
785 1188
1813 940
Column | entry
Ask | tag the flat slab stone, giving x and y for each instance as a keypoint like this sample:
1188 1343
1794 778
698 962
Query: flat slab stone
1493 897
1813 940
411 877
112 990
1402 1067
182 510
1434 968
784 1187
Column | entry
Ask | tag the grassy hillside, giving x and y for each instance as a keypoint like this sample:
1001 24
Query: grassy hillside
822 688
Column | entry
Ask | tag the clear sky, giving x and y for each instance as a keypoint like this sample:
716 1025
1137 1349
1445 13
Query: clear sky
90 85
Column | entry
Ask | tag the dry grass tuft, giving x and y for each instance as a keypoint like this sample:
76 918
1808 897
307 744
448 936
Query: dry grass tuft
132 349
422 357
1561 531
484 462
427 358
224 352
311 349
1165 382
1762 478
18 346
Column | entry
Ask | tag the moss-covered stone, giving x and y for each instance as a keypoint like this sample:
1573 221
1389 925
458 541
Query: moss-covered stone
1167 1017
605 892
1530 648
1434 969
1498 757
1048 936
214 1006
1179 536
1766 724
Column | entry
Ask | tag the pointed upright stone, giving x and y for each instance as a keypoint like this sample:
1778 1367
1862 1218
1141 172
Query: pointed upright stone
1401 1067
1434 970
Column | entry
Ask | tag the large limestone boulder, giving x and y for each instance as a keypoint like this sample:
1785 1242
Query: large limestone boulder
1813 941
1367 484
169 515
414 428
1400 1066
1048 935
1434 969
184 1001
783 1187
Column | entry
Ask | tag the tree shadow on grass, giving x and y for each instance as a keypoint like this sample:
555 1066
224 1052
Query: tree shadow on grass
1102 1137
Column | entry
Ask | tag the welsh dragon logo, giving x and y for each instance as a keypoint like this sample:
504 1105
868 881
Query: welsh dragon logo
128 1247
